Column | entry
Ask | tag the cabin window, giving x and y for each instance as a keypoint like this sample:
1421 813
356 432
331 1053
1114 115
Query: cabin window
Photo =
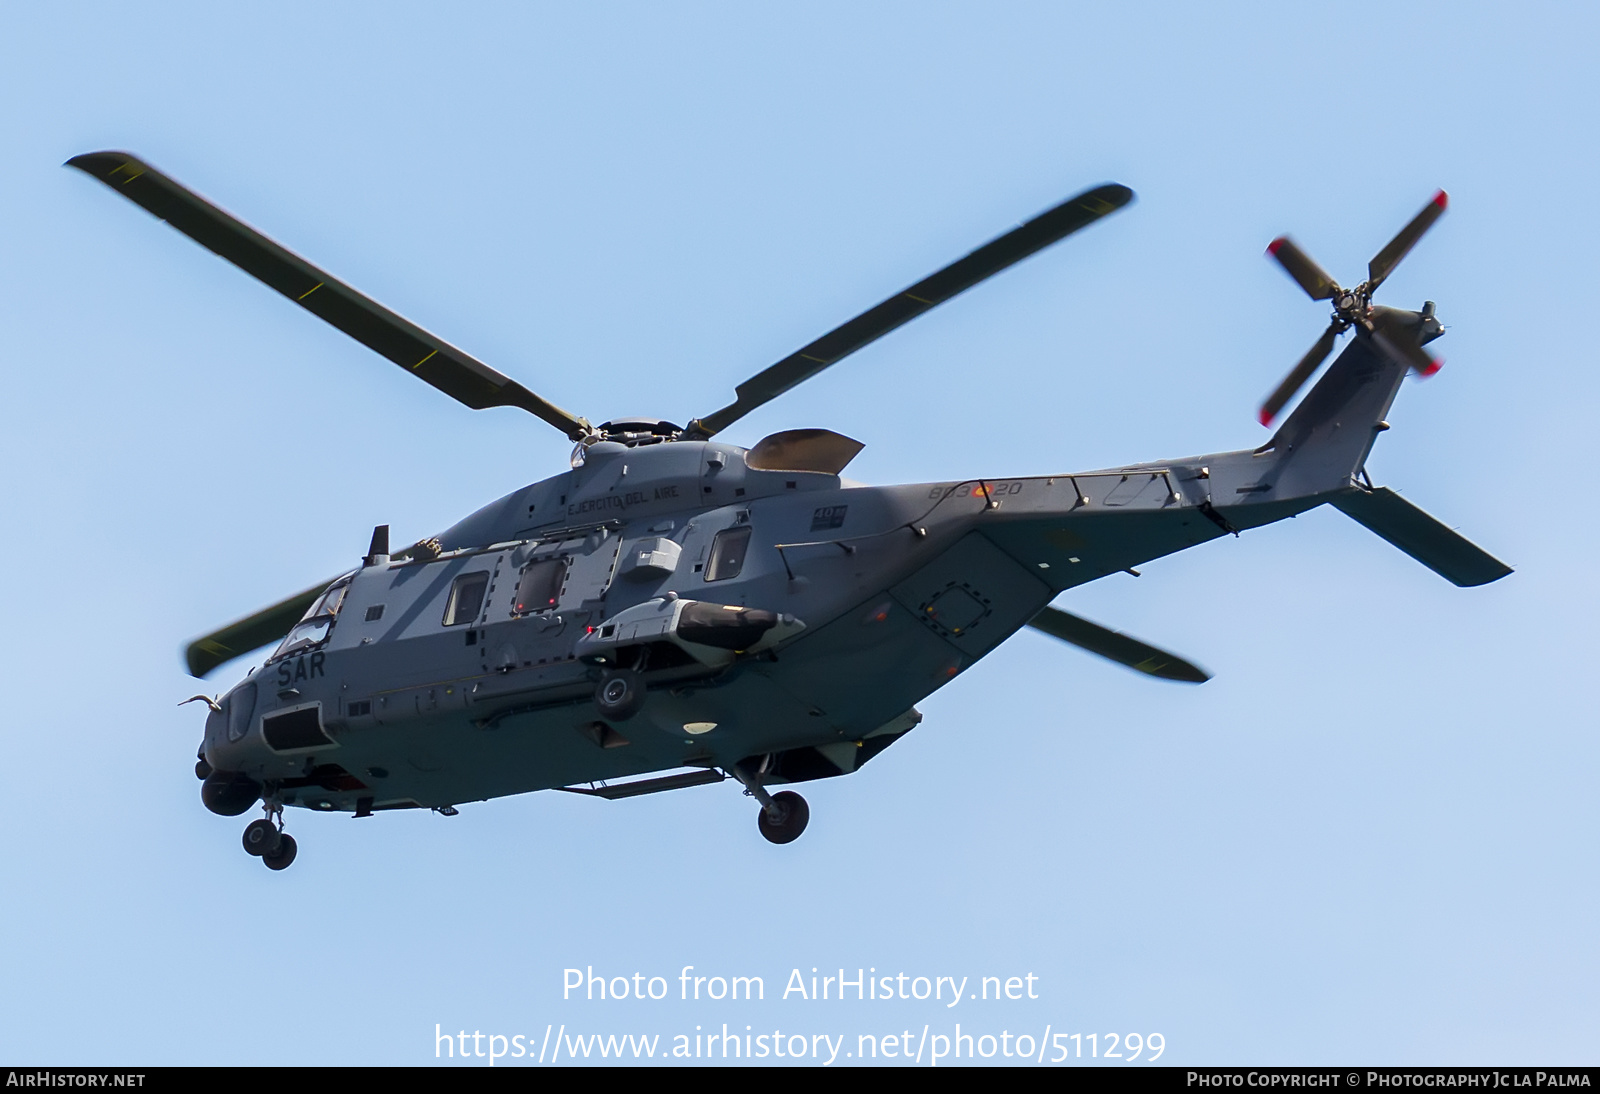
727 553
466 598
540 587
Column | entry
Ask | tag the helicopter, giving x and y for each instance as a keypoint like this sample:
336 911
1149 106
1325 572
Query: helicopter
676 611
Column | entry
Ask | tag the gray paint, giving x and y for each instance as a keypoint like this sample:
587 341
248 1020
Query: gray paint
504 706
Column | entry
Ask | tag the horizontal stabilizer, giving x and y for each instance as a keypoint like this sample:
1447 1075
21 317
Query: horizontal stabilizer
1117 646
1451 556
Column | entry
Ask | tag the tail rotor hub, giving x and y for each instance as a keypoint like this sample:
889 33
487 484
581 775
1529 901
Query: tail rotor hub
1351 306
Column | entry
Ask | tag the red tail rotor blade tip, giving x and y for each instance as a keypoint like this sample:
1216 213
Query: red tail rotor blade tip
1441 199
1272 248
1438 363
1265 417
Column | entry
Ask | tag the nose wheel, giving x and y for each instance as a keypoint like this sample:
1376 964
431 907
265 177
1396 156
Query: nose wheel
285 855
266 840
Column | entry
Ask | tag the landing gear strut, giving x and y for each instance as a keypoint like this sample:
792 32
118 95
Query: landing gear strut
783 815
266 839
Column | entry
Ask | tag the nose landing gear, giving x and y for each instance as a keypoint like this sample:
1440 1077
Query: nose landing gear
285 855
266 839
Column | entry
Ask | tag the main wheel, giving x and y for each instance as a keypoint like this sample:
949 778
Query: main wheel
620 694
795 815
281 859
262 838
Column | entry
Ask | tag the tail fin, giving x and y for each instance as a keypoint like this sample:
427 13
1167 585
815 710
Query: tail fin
1441 550
1323 445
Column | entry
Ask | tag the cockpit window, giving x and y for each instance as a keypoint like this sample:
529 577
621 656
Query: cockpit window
727 553
331 601
315 626
313 632
466 598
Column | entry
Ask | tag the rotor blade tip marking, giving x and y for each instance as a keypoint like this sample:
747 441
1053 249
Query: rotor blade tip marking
1441 199
1265 417
1438 363
1272 248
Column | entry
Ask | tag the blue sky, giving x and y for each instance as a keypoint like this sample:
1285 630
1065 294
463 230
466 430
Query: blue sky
1371 838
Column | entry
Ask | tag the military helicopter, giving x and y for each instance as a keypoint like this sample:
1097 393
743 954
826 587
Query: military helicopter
674 610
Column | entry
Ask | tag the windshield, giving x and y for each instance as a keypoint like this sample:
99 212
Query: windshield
328 603
315 626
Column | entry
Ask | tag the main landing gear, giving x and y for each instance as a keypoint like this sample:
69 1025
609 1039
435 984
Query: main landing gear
266 839
784 818
783 815
620 694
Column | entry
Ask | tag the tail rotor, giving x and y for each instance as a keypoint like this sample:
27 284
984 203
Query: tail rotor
1400 333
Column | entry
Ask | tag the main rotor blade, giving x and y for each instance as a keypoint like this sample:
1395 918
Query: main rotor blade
1307 274
434 360
1298 375
1384 262
253 631
956 278
1117 646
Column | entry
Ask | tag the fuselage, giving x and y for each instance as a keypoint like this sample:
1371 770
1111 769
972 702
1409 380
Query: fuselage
431 681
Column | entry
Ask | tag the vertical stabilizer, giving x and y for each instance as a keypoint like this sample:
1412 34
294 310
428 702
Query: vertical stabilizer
1323 445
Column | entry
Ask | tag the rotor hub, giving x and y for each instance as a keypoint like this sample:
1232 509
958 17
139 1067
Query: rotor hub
636 431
